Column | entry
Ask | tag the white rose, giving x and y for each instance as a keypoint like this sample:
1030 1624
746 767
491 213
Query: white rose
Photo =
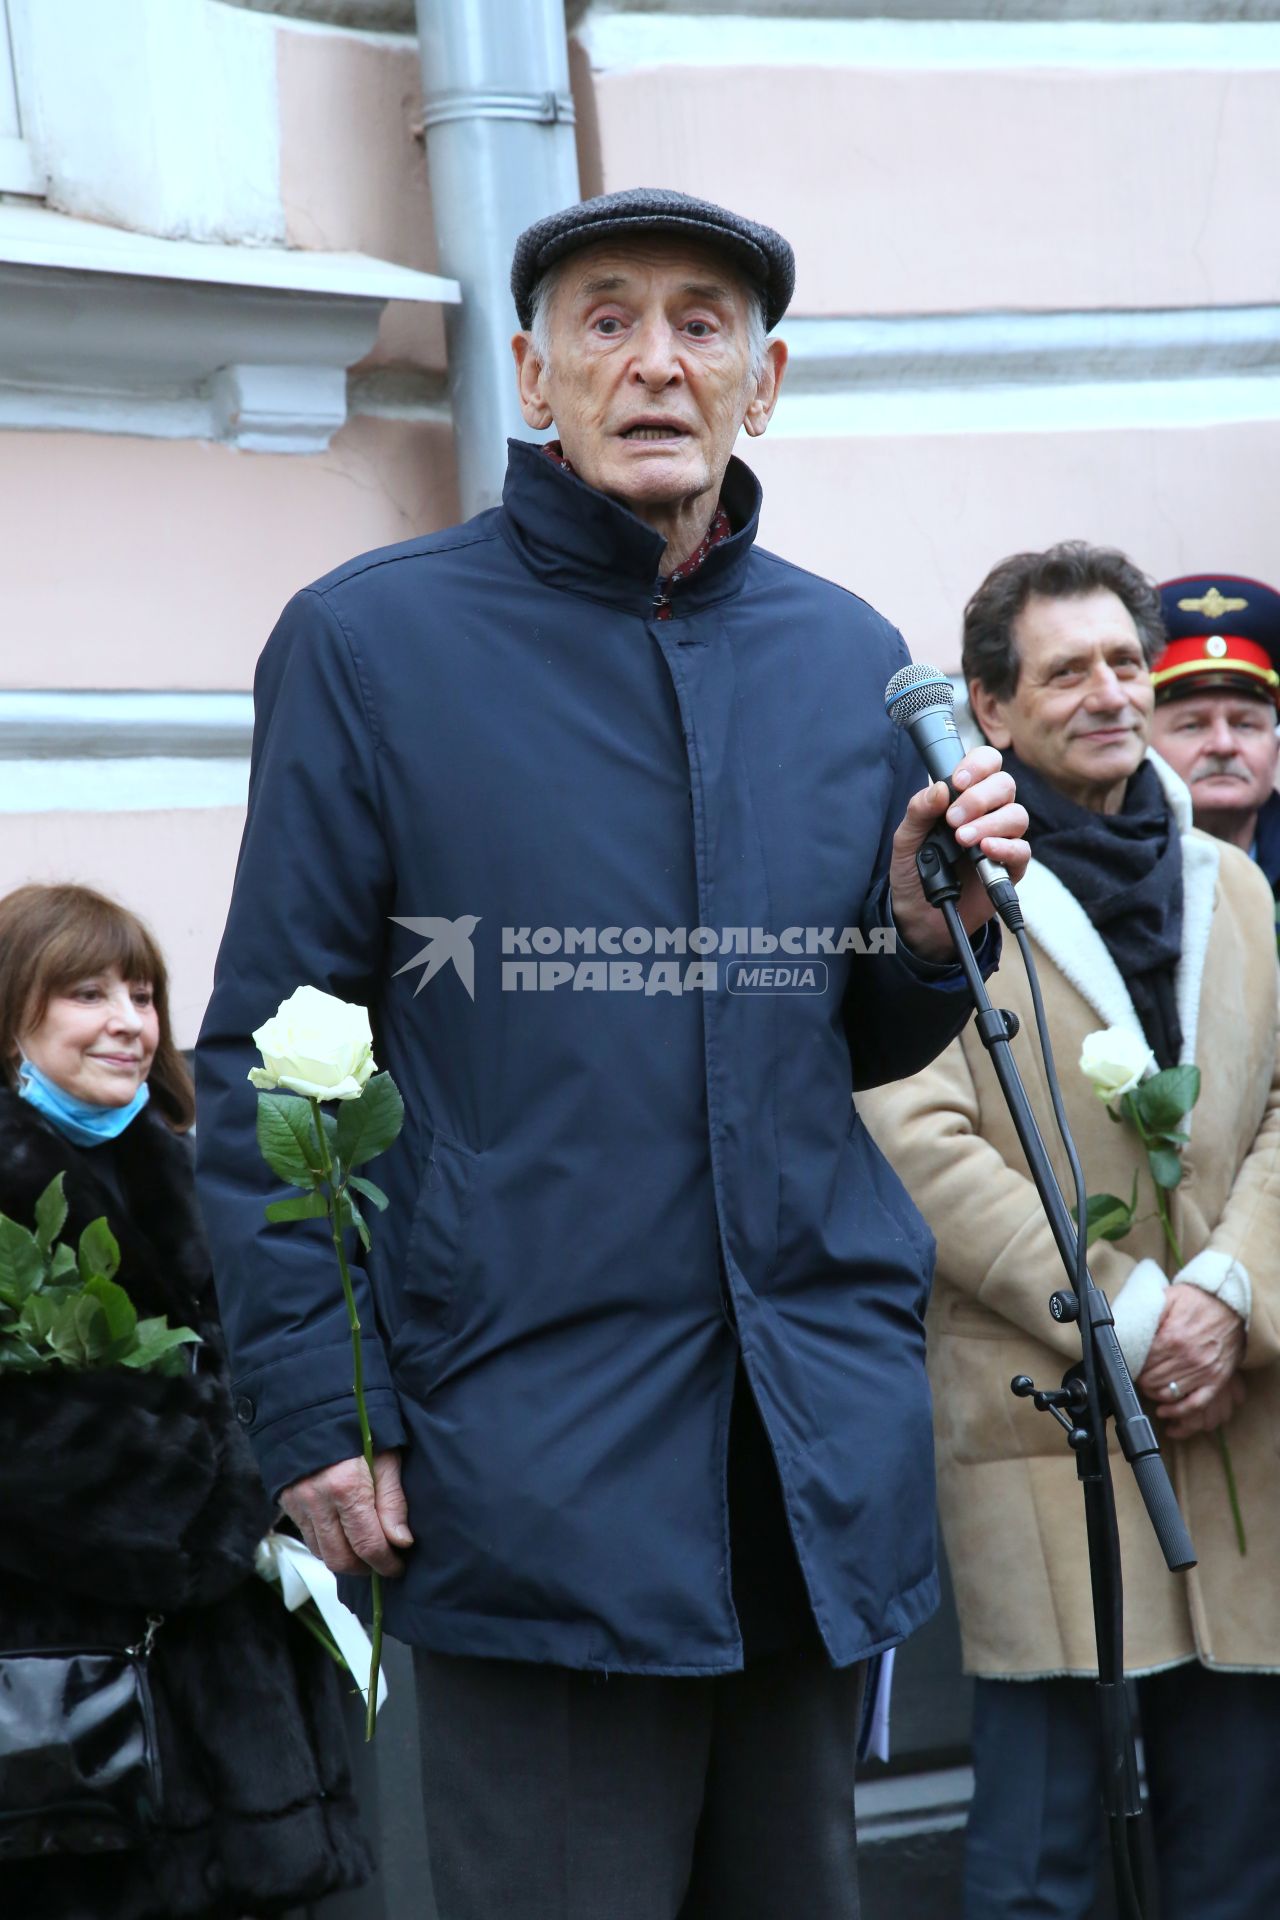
1115 1060
315 1044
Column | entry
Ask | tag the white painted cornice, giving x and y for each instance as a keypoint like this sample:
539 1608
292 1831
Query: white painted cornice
70 723
116 332
932 350
624 41
123 751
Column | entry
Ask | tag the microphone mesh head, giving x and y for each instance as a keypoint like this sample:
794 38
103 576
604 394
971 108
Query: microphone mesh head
917 689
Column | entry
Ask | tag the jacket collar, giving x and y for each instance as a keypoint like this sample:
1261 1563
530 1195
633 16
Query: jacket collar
583 542
1063 930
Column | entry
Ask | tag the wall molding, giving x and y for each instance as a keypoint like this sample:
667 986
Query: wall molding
106 331
151 785
128 751
368 16
90 724
972 349
686 38
1029 372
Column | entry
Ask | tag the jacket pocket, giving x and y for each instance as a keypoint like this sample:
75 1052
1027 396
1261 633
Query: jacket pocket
437 1235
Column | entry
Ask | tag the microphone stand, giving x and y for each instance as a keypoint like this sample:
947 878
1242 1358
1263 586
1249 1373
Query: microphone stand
1098 1389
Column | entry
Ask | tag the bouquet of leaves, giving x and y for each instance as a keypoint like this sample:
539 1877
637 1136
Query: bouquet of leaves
61 1307
1115 1062
318 1048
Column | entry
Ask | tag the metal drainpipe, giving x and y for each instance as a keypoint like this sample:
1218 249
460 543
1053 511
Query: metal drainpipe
500 153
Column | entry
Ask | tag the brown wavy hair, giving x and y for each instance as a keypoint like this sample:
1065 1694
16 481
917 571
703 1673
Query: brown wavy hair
989 653
53 936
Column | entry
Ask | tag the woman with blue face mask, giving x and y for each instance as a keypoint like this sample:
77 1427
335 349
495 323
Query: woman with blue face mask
128 1496
85 1066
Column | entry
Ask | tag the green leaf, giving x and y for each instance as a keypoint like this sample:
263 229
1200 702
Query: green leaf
367 1126
349 1215
158 1344
19 1356
37 1319
1166 1167
21 1262
1107 1217
92 1330
62 1263
118 1309
51 1214
62 1337
307 1206
98 1252
172 1362
286 1139
372 1193
1166 1097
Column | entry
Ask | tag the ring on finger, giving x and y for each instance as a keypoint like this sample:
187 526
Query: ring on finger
1173 1390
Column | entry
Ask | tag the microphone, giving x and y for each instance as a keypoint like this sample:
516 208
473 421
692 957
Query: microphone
921 701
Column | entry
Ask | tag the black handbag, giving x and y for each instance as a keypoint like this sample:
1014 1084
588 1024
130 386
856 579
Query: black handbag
79 1766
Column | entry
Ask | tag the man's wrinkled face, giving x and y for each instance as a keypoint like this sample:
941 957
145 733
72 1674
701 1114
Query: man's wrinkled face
1224 745
1081 711
648 376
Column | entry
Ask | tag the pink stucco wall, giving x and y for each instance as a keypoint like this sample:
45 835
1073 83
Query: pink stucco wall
174 869
941 191
353 171
912 524
167 561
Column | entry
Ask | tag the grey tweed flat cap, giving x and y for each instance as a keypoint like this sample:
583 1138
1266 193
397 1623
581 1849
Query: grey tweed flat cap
763 255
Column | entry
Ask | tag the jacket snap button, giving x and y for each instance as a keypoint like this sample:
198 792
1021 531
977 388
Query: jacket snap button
244 1410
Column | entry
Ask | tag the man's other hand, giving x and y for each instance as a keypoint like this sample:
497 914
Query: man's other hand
1180 1421
1198 1345
352 1525
985 813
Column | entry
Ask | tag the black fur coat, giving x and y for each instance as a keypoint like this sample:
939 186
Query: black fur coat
123 1493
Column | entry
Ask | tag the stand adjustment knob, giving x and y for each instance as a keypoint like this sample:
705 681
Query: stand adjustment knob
1023 1385
1064 1307
1078 1439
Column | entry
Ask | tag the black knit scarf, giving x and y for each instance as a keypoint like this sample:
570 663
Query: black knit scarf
1125 869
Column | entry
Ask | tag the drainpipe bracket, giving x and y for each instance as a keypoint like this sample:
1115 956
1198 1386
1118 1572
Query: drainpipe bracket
483 103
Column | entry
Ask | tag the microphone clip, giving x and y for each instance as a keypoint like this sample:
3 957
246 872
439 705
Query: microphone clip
937 867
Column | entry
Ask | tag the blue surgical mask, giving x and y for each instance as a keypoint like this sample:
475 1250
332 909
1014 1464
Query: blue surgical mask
80 1120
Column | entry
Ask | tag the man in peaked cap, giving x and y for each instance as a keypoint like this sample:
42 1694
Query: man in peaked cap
644 1339
1217 691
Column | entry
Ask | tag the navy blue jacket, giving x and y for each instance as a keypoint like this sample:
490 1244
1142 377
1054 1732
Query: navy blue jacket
597 1193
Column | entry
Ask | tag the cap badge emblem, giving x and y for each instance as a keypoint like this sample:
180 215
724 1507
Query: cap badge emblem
1215 646
1213 605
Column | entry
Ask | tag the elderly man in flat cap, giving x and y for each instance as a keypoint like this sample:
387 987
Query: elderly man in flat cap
594 803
